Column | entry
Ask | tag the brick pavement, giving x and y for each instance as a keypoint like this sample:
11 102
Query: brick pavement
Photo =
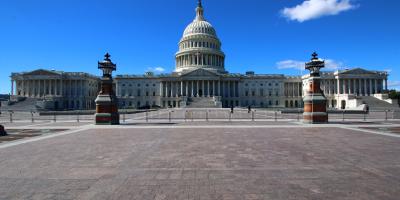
204 163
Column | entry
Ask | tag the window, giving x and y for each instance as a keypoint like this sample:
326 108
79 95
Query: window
154 94
147 93
270 93
277 103
253 93
138 93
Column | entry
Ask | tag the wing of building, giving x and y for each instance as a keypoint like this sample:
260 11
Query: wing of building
201 80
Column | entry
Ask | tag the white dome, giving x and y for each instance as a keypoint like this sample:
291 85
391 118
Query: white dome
200 27
200 47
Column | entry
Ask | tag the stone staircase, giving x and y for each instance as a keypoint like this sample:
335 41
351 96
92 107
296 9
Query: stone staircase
24 104
201 102
378 104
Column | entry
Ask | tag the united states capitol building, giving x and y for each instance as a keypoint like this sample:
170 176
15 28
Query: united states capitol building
201 80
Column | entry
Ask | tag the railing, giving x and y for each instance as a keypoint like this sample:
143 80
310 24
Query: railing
188 115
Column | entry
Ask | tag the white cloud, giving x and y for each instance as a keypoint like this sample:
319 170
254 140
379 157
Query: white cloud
156 69
312 9
299 65
388 70
291 64
332 64
159 69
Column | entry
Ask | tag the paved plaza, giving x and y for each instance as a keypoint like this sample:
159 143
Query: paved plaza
200 159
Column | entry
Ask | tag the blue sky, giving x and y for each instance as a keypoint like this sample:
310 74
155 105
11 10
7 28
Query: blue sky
271 36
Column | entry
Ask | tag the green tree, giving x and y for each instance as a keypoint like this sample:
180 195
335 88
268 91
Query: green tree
393 94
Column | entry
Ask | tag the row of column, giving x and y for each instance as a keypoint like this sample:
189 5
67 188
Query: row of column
199 88
199 59
360 87
293 89
49 87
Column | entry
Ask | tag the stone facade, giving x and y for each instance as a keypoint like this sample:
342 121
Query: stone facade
347 89
57 90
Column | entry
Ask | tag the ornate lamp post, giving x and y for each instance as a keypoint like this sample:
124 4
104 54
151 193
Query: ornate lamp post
106 101
314 98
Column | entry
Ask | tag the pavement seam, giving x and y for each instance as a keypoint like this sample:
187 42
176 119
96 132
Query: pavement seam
371 132
18 142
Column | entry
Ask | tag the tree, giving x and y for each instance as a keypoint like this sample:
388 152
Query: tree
393 94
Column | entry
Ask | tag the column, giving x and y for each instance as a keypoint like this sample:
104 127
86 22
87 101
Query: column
203 87
12 87
187 88
376 86
45 87
213 88
219 88
208 88
56 85
76 88
386 84
370 87
228 88
172 89
192 88
197 88
359 87
294 89
234 89
344 86
61 87
349 86
161 89
181 88
365 87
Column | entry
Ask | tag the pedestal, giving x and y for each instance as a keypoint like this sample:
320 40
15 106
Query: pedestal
315 104
106 110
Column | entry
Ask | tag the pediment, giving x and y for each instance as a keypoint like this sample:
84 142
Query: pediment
200 73
43 72
357 71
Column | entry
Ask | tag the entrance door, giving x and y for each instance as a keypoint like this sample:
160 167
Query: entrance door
343 104
200 93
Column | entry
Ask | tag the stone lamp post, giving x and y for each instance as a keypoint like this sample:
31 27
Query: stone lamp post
314 98
106 101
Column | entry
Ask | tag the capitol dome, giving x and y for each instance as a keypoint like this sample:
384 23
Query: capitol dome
200 27
200 47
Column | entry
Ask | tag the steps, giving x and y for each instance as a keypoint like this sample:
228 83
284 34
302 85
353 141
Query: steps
201 102
26 104
377 104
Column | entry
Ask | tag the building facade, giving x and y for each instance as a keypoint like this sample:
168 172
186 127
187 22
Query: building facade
201 80
56 90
